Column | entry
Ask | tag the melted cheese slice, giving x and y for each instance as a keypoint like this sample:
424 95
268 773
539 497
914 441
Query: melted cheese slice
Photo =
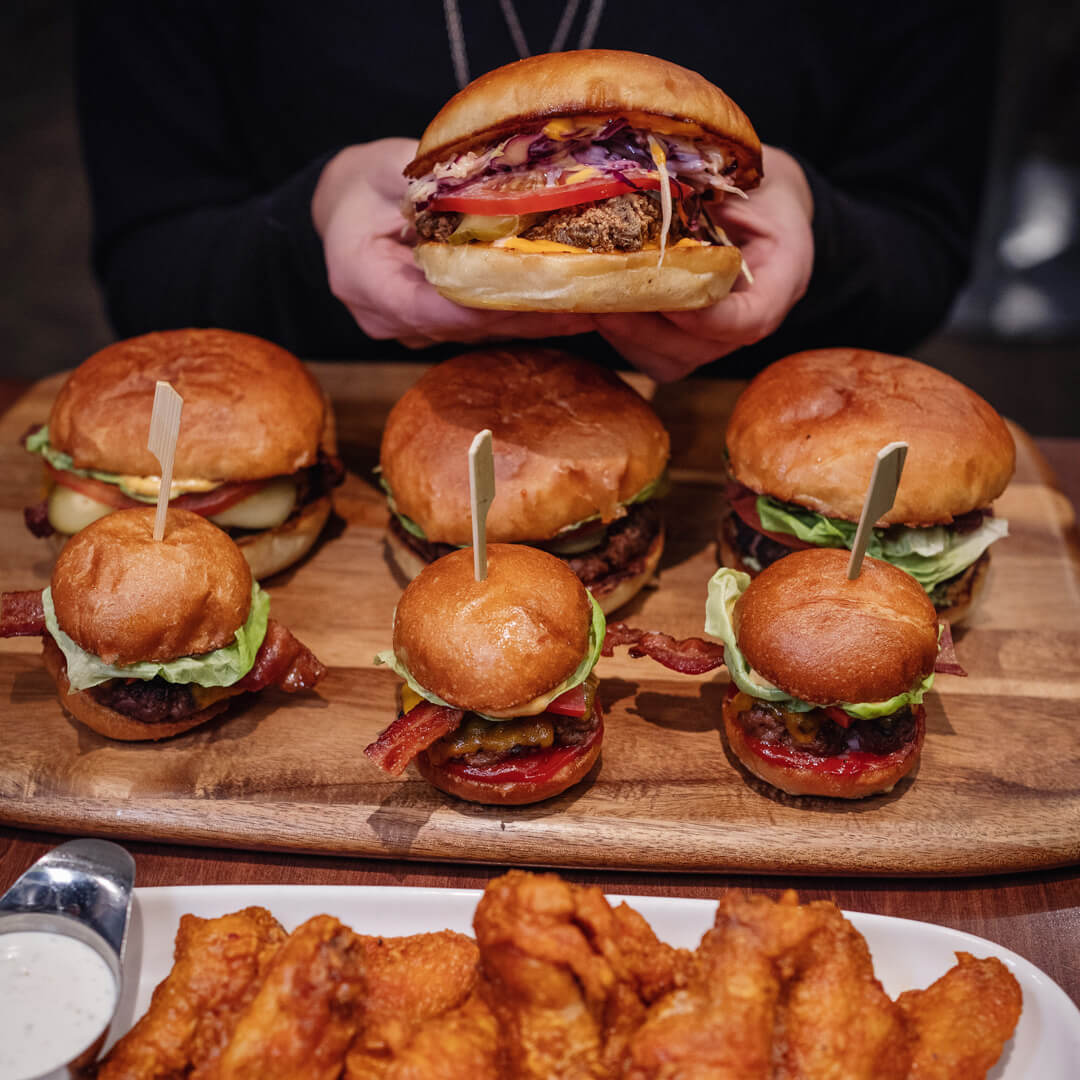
149 486
69 511
205 696
266 509
517 243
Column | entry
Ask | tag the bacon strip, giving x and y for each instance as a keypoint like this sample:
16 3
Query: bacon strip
690 656
37 519
412 733
21 614
947 662
282 661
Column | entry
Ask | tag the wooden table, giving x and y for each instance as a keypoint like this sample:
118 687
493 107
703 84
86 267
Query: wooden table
1036 914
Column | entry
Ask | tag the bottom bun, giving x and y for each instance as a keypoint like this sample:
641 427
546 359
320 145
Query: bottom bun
271 551
807 774
482 276
109 722
725 543
963 595
470 784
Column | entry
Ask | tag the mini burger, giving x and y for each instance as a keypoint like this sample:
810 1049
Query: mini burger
582 181
579 459
801 445
499 702
255 455
827 675
147 638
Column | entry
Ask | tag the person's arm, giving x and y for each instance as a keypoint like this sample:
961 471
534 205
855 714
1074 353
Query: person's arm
863 235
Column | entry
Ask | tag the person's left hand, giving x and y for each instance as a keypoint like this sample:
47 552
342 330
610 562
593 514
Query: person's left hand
772 229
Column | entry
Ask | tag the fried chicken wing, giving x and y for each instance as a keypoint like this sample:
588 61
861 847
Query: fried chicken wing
569 979
300 1023
219 964
962 1021
423 1015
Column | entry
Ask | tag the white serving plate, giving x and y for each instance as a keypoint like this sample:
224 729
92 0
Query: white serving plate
907 954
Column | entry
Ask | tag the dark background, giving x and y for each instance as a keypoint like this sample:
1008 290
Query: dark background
1014 334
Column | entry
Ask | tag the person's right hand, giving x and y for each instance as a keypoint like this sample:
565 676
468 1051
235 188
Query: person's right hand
356 211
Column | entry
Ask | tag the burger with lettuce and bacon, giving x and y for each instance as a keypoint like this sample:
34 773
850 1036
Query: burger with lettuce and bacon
582 181
498 702
828 674
801 444
256 452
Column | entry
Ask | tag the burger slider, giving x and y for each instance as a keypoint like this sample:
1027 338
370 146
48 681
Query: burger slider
499 704
256 453
147 638
582 181
801 443
828 674
579 459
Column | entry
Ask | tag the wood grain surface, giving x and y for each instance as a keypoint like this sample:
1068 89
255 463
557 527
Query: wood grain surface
998 788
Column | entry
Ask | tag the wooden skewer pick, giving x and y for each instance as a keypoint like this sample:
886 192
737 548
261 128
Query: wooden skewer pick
164 430
879 499
481 494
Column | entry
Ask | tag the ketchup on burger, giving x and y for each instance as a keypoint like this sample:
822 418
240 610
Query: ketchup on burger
499 701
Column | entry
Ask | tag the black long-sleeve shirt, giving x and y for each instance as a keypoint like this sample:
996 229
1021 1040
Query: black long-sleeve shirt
206 126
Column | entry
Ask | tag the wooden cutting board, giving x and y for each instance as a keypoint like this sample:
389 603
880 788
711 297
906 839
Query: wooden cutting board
998 788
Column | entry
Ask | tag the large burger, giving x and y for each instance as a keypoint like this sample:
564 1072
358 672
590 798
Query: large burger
827 675
498 703
579 457
582 181
801 444
256 452
147 638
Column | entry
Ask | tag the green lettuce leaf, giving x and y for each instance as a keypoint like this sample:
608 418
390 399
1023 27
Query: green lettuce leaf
222 667
725 588
597 631
38 443
930 555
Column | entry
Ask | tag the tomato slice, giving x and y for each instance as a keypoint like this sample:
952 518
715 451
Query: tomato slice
98 490
743 503
572 703
492 201
836 714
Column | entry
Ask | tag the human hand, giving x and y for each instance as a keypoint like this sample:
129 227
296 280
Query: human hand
356 211
772 229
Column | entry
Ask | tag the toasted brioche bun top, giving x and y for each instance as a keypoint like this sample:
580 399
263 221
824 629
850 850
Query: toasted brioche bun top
251 409
127 597
808 428
494 644
820 637
590 82
570 440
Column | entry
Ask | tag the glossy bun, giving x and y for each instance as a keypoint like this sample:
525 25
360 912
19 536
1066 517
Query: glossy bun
807 430
251 409
571 440
822 638
126 597
492 645
590 82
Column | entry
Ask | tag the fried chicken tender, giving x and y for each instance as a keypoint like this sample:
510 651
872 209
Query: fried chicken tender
962 1021
423 1013
758 1004
568 978
301 1022
218 966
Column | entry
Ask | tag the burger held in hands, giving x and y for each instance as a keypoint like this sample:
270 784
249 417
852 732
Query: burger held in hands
828 674
579 460
801 444
148 638
499 701
582 181
256 452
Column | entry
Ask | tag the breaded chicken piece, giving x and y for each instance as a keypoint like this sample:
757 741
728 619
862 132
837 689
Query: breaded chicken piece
218 966
835 1021
568 978
422 1015
302 1020
962 1021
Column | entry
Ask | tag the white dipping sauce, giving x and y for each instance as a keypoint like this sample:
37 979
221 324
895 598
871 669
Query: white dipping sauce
56 996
